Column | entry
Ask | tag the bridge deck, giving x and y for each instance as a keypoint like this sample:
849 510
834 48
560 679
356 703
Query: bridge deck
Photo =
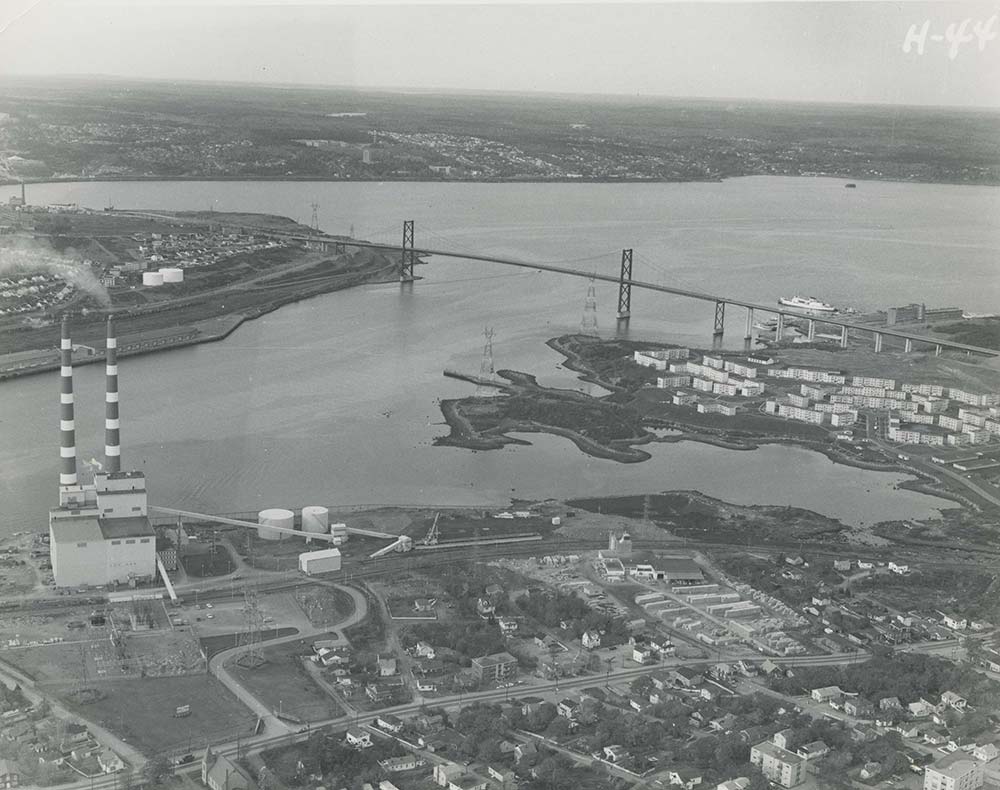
546 267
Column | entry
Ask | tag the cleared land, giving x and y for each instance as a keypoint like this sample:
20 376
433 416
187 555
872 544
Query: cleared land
283 683
216 715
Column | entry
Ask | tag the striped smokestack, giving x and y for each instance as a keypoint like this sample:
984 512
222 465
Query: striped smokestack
112 442
67 427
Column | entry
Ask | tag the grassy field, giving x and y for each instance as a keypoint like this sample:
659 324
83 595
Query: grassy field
283 683
151 727
324 606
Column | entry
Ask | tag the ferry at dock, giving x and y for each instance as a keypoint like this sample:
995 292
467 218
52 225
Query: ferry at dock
810 303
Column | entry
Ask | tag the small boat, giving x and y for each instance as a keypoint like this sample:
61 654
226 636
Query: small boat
810 303
850 186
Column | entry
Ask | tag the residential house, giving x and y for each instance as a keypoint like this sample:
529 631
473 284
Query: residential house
504 776
859 708
390 723
722 671
920 709
110 762
429 722
770 668
615 753
508 625
591 640
784 739
953 621
218 772
842 565
986 753
642 655
358 738
384 690
407 762
900 568
567 708
889 703
777 764
688 778
723 724
827 694
813 750
424 650
739 783
953 700
687 677
525 752
387 667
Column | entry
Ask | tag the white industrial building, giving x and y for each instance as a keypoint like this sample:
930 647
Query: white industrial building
323 561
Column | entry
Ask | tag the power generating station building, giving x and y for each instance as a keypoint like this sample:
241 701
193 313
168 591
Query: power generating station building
100 534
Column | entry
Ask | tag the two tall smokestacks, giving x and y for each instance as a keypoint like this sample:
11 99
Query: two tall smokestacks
67 425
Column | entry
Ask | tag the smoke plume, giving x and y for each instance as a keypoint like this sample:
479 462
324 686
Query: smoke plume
32 257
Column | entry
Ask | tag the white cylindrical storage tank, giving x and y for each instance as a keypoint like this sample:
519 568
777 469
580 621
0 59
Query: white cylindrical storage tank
339 531
274 517
152 279
316 519
171 274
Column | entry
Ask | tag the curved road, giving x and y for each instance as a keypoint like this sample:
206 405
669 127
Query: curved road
217 664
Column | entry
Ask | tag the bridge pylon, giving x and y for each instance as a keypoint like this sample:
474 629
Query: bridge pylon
625 287
720 324
407 257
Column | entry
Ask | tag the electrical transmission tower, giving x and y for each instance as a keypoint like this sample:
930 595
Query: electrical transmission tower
253 624
589 324
314 224
486 370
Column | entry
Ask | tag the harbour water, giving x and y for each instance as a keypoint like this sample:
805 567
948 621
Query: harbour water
334 400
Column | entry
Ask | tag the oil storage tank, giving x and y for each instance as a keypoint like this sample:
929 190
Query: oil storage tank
315 520
274 517
152 279
324 561
171 274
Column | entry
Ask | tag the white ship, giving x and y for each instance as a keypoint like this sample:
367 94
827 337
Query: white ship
810 303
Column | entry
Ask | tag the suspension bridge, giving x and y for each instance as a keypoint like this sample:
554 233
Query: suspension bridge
410 253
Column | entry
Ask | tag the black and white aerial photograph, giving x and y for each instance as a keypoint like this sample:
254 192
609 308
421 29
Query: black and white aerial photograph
563 395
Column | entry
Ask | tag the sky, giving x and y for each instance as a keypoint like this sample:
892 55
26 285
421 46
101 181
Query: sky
865 52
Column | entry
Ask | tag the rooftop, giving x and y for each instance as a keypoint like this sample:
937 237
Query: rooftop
778 753
128 527
70 527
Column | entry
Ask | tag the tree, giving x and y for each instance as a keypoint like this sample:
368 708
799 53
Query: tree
156 770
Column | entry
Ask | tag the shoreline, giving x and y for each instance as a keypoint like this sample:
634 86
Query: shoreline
464 434
233 321
494 181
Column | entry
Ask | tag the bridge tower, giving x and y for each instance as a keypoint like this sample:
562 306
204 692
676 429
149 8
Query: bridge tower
720 324
407 258
625 287
486 370
314 222
588 326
